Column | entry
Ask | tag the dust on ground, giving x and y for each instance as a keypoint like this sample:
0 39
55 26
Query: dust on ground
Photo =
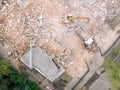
38 21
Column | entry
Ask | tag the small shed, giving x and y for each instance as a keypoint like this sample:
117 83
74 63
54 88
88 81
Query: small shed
42 62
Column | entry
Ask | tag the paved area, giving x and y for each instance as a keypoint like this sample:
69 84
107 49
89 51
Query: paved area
102 83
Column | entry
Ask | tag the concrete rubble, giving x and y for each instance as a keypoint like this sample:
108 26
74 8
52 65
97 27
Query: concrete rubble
38 21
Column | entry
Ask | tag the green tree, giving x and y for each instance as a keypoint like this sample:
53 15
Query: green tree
11 79
3 87
4 68
3 84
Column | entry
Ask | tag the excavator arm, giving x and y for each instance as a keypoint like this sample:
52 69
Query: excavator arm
85 17
70 19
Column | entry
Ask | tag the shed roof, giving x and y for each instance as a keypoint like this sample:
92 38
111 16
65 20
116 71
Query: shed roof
42 63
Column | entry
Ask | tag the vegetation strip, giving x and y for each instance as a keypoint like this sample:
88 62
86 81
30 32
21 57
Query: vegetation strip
112 68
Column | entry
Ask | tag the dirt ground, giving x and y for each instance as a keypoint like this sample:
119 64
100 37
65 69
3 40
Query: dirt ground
33 21
38 22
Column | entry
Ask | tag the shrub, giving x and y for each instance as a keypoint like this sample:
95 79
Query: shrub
10 79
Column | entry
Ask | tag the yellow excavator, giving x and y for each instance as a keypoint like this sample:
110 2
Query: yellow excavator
69 19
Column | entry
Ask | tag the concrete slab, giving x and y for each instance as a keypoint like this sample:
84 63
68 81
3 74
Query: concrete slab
102 83
42 63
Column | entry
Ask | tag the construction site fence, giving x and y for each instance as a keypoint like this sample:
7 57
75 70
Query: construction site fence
114 44
88 69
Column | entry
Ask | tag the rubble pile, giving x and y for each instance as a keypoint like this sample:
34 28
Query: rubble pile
38 22
32 21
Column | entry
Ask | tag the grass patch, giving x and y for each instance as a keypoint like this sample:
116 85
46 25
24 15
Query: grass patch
112 68
115 51
62 81
113 71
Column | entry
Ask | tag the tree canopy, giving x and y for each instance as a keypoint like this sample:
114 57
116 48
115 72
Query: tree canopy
10 79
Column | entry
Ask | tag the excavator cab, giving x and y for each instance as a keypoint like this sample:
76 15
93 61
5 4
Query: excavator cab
66 19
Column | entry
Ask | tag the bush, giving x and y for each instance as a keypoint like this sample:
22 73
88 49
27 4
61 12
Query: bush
116 51
10 79
4 68
62 81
